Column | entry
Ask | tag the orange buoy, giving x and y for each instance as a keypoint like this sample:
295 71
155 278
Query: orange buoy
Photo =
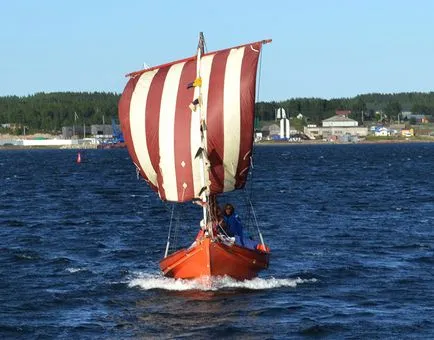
79 158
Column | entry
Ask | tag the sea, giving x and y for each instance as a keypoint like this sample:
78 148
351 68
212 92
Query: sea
350 229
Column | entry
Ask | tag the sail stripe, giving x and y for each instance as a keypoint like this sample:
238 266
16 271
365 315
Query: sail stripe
138 124
216 137
163 135
215 131
167 131
182 143
205 69
247 98
195 144
153 109
124 107
232 123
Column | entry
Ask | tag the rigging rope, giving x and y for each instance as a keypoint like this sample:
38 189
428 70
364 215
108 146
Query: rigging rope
249 188
170 228
256 101
259 76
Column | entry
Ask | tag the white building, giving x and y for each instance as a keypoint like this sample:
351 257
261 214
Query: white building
271 130
339 121
284 123
381 131
336 126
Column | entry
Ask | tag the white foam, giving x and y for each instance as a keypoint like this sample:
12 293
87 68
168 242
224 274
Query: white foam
157 281
74 270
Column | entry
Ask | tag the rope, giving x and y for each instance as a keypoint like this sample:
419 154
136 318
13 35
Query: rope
172 237
249 188
256 100
175 234
259 77
178 222
251 223
170 229
257 224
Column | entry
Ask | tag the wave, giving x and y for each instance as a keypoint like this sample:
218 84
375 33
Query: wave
75 270
155 281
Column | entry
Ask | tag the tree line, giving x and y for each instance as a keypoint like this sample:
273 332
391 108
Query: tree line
49 112
363 107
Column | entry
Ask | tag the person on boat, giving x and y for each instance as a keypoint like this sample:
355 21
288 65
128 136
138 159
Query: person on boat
234 228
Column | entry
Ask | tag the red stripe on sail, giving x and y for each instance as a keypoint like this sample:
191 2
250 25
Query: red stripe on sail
215 122
182 140
152 122
247 115
124 119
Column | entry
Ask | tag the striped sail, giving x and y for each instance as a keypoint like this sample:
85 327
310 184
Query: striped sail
163 134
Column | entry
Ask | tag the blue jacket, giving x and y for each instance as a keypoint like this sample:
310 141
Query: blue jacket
234 226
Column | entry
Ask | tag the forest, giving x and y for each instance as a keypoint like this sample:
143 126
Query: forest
363 107
49 112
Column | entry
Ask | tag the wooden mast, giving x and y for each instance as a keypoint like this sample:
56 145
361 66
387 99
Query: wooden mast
203 154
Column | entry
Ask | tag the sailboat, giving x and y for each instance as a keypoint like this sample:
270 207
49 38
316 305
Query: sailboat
188 126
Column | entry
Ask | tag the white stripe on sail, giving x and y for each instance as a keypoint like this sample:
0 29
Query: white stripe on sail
205 71
231 113
167 131
137 124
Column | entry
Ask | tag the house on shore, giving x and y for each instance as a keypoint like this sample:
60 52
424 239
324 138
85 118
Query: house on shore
336 127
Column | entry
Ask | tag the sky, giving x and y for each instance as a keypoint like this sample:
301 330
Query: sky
321 48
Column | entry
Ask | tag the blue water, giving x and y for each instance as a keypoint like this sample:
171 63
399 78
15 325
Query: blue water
350 228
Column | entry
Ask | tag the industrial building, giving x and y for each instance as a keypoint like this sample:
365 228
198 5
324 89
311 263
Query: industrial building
337 126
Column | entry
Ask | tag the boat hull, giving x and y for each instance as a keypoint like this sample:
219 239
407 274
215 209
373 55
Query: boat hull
211 258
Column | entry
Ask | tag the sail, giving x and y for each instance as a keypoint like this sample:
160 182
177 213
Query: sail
163 133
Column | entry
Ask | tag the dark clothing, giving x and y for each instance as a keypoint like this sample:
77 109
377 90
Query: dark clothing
234 227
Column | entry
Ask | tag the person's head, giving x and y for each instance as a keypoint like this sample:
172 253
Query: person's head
229 209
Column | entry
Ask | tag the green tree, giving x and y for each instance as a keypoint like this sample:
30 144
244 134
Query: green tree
392 110
359 110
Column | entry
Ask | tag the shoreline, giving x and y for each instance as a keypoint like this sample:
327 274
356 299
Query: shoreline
265 143
321 142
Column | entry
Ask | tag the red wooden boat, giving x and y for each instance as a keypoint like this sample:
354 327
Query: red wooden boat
214 258
188 126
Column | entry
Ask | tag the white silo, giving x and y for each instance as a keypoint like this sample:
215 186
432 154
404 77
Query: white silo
287 128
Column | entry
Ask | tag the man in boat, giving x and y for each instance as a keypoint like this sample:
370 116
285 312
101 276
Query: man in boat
234 228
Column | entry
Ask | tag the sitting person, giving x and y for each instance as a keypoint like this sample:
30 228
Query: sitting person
234 228
232 221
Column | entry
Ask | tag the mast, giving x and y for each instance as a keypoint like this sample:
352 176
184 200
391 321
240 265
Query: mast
203 162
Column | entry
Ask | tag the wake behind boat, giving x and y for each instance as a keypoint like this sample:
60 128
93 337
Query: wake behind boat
188 126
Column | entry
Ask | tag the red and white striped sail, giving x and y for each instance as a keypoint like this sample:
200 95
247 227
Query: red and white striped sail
163 134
